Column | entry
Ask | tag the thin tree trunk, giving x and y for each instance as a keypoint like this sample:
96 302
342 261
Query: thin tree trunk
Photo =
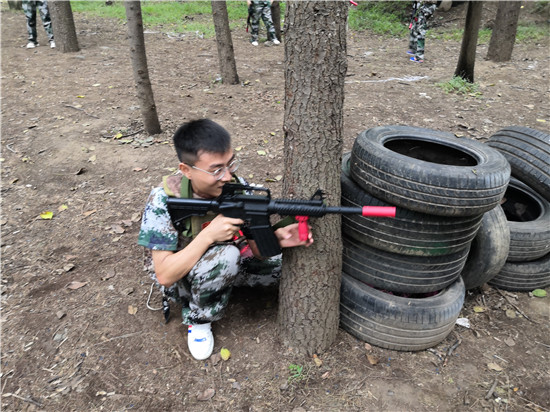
504 31
226 55
315 69
139 65
63 26
276 18
467 58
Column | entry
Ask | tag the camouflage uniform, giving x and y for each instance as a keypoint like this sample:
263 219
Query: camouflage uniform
204 292
423 11
257 10
29 7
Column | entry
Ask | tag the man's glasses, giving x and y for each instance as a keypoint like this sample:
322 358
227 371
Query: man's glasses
220 173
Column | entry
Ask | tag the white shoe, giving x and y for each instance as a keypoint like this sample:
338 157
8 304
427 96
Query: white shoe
31 45
254 43
275 41
52 44
200 341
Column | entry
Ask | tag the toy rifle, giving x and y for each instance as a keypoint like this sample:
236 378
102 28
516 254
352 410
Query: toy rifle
255 210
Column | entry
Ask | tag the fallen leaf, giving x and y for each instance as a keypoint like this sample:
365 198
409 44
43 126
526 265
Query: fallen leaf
262 152
80 96
136 217
494 367
92 158
137 169
80 171
109 275
238 148
60 314
68 267
225 354
509 342
510 313
318 362
62 208
206 395
325 375
541 120
89 212
373 360
118 229
46 215
368 346
76 285
539 293
132 310
479 309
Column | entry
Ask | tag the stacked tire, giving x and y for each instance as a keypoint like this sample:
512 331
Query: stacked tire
527 208
401 286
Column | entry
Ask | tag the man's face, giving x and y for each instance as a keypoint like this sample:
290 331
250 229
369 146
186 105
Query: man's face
203 183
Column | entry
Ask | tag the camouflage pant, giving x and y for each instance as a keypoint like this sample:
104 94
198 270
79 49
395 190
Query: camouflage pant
29 7
257 10
417 37
204 293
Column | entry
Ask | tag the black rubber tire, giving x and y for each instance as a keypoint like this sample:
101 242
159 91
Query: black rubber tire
524 276
488 251
401 273
395 322
429 171
528 215
409 233
528 151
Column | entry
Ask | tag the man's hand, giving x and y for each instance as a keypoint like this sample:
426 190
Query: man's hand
288 236
222 229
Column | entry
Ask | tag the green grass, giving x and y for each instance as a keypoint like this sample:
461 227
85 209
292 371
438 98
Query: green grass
172 16
380 17
458 85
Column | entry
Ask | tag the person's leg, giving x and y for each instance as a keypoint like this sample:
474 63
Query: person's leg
208 286
29 8
255 272
255 12
45 16
268 21
420 38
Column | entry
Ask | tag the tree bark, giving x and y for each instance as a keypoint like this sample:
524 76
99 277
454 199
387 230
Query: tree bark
504 32
315 69
140 69
467 58
63 26
226 55
276 18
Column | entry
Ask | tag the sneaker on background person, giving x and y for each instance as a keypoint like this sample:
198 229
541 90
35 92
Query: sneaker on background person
32 45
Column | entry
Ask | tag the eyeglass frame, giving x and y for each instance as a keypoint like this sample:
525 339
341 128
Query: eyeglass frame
225 169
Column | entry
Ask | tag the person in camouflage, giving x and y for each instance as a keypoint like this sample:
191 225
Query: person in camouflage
261 9
30 7
422 11
199 265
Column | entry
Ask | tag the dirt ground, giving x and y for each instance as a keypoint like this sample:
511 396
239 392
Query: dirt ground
76 332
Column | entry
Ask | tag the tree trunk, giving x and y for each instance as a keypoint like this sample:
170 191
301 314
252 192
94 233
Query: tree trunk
63 26
315 68
504 32
139 65
15 4
276 18
467 58
226 55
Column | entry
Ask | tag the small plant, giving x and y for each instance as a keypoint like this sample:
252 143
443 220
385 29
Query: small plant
297 373
460 86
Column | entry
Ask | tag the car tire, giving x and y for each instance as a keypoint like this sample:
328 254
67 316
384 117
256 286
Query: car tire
488 251
528 215
396 322
429 171
409 232
524 276
528 152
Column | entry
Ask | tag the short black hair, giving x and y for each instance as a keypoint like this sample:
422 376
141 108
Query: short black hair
200 135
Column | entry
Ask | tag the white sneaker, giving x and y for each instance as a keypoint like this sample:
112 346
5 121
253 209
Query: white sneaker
31 45
254 43
275 41
52 44
200 341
